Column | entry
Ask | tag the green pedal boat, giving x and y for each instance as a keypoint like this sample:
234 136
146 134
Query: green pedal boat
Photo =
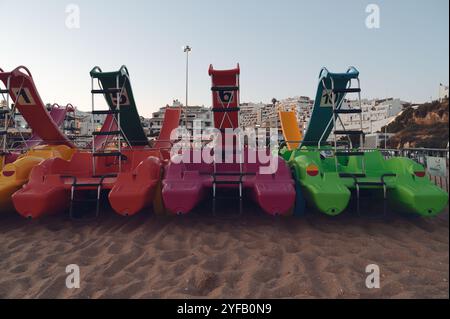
329 176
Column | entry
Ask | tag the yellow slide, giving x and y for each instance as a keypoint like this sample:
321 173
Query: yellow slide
291 131
16 174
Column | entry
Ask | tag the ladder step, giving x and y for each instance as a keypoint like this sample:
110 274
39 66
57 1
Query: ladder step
227 197
348 111
86 185
348 132
105 112
4 92
107 154
228 109
89 200
224 88
106 91
106 133
227 182
4 111
370 183
352 175
233 174
105 176
3 132
349 153
228 174
349 90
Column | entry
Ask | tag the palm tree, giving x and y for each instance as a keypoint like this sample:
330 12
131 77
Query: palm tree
274 101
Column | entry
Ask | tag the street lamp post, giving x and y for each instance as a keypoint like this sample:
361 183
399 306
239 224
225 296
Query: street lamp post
186 49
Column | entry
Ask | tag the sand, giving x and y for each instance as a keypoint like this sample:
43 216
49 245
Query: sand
225 256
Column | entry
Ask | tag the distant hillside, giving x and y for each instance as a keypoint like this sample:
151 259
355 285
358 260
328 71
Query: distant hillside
425 126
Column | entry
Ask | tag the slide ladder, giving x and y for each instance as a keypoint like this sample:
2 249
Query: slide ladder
114 93
116 88
226 101
4 115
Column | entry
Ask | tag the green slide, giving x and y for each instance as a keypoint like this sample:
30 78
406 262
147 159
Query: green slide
130 122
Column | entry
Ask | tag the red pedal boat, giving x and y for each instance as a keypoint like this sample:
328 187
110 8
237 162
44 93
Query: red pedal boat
129 174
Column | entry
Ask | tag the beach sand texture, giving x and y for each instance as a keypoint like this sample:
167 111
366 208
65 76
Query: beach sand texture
224 256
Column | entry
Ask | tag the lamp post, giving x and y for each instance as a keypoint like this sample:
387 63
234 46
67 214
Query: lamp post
186 49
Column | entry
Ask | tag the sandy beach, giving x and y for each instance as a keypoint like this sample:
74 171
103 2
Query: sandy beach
225 256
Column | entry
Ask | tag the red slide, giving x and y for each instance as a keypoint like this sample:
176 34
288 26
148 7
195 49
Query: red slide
101 141
21 88
171 122
58 115
225 94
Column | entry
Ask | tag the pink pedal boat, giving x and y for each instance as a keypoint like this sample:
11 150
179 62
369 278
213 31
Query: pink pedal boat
186 182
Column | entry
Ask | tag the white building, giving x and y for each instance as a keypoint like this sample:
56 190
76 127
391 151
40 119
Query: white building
84 125
193 113
253 115
443 92
302 104
375 114
250 114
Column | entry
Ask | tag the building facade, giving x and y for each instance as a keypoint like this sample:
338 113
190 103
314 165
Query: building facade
190 114
443 92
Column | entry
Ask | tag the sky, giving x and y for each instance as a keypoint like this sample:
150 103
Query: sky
281 46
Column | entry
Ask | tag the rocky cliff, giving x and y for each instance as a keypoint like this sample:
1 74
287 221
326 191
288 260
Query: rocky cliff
424 126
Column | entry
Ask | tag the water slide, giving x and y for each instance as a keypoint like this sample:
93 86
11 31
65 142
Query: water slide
329 182
171 121
28 102
322 113
58 115
291 130
130 122
189 179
